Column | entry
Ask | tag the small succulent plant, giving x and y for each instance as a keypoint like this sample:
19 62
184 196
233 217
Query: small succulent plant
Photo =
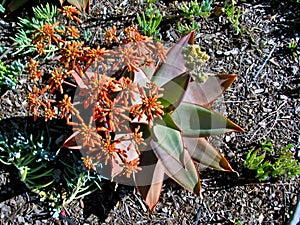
29 156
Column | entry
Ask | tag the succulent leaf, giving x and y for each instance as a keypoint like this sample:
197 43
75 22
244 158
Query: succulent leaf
206 93
197 121
204 153
148 70
71 141
169 141
187 177
171 98
141 77
169 122
151 193
150 179
83 88
174 64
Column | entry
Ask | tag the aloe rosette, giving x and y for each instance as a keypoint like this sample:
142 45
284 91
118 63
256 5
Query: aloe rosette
178 140
152 121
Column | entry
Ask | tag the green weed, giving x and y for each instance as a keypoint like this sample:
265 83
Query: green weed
233 14
9 74
150 20
285 165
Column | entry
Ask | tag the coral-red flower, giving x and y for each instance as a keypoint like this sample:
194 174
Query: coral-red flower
66 107
49 112
130 167
48 32
71 54
57 79
71 13
34 73
88 163
150 106
34 103
87 133
110 35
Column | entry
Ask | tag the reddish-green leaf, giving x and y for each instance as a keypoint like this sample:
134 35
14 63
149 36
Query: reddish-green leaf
174 64
148 70
83 89
150 179
205 93
151 193
197 121
71 142
169 142
168 121
204 153
187 177
173 91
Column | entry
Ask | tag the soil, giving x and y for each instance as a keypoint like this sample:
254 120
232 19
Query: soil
264 100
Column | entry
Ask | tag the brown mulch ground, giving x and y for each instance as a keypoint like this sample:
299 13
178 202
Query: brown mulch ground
264 101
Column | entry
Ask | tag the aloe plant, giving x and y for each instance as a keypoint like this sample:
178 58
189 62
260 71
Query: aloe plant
164 133
177 141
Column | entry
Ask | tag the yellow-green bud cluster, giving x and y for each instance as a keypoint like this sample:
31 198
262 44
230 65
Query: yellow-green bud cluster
194 59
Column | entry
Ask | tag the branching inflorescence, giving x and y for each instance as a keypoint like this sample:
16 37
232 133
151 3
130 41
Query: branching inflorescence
115 100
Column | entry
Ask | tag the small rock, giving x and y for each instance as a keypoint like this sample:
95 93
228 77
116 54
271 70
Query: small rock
262 124
230 154
258 91
283 97
234 51
260 218
271 42
295 69
227 138
219 52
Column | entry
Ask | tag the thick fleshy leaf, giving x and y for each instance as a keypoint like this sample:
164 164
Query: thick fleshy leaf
174 64
205 93
148 70
151 193
71 142
83 89
204 153
187 177
173 91
168 121
169 142
142 79
117 170
197 121
150 179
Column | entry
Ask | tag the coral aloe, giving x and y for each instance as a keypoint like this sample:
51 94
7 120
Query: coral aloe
152 120
141 112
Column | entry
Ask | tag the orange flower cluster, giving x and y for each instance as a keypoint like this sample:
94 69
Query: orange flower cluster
109 136
71 13
107 87
34 73
138 50
150 106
